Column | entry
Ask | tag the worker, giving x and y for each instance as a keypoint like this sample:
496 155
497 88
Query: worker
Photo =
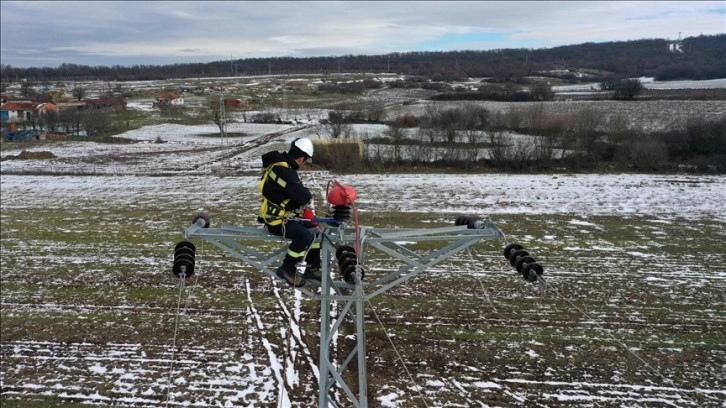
286 211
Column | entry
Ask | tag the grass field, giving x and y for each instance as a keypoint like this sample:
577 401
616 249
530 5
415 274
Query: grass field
632 316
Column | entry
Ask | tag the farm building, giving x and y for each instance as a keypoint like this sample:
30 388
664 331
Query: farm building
78 105
232 103
105 103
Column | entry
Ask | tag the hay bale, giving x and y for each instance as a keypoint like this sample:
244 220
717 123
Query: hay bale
339 154
116 140
43 155
53 136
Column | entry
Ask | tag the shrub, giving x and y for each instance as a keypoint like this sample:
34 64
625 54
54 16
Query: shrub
627 89
647 153
699 138
408 121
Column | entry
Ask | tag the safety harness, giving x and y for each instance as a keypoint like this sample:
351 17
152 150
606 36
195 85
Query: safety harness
272 213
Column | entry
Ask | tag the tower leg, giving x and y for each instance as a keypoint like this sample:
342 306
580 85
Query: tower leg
361 340
351 306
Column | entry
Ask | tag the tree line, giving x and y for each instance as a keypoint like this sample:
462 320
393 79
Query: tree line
471 137
702 57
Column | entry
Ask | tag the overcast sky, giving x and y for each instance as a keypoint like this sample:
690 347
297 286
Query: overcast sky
106 33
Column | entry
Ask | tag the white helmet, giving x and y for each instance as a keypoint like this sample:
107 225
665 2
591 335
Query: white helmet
304 145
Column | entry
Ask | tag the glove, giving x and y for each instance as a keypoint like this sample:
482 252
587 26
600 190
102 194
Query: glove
309 214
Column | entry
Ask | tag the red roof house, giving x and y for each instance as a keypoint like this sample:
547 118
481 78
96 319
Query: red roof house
25 111
169 99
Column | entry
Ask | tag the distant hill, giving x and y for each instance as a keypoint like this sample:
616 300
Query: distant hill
693 58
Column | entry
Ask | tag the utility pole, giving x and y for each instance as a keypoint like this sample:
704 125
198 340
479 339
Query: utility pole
342 250
222 121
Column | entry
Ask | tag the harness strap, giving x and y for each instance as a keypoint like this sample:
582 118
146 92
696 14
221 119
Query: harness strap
272 213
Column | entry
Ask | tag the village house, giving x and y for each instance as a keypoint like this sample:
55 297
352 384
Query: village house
25 111
102 103
169 99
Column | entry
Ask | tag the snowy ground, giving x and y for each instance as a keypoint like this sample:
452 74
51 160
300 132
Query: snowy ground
649 83
633 317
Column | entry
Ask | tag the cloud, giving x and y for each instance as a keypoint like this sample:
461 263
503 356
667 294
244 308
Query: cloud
37 33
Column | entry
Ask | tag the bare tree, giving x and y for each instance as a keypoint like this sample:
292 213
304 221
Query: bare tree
78 93
95 122
422 151
476 117
475 138
522 153
26 89
337 125
376 111
430 115
449 122
337 130
531 117
319 130
585 125
50 120
514 118
215 113
544 148
70 121
499 149
397 136
428 135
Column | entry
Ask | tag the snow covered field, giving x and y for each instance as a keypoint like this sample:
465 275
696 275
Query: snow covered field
649 83
633 316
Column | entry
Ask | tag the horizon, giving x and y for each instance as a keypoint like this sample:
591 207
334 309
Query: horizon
358 55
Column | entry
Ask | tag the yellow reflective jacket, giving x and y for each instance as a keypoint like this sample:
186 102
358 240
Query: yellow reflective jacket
283 194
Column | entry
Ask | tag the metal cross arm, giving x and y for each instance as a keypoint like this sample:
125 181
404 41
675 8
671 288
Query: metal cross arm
395 243
233 240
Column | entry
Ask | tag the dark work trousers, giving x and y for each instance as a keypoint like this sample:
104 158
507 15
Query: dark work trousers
302 238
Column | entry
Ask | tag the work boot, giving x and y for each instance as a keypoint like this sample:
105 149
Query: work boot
313 272
288 274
